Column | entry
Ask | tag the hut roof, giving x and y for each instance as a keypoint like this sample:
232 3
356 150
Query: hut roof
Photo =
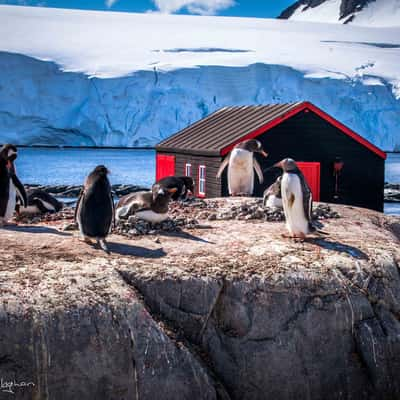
219 132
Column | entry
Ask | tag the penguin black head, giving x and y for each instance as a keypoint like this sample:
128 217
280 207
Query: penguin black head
8 153
101 170
189 183
288 165
161 193
253 146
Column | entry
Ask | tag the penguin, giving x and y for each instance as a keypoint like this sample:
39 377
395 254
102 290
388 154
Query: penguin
95 207
151 206
297 200
241 164
272 196
10 185
40 202
183 184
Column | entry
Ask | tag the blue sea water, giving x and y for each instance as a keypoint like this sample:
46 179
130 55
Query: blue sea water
60 166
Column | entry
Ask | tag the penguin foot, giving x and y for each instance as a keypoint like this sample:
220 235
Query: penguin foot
86 239
103 245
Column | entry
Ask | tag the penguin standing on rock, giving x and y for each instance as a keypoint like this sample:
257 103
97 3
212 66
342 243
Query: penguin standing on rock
10 185
95 207
297 200
241 164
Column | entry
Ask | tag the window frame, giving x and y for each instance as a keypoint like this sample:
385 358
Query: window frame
202 180
190 169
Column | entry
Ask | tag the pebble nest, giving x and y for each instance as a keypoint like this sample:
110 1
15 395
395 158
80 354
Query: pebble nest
190 214
193 213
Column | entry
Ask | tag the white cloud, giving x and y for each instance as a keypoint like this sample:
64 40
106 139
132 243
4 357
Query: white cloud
202 7
110 3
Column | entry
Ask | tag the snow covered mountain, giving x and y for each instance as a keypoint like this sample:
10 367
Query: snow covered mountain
72 77
377 13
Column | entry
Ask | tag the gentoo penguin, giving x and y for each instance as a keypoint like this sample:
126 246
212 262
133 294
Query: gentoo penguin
10 185
40 202
241 165
95 207
151 206
272 196
296 199
184 186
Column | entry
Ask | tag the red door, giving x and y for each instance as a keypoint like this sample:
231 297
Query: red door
311 171
165 166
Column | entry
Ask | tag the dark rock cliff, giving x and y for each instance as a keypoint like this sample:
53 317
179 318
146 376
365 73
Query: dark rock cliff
232 311
347 8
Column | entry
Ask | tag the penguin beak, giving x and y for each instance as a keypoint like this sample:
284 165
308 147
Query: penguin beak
264 153
9 165
278 165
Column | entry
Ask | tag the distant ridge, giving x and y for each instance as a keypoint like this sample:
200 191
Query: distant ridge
359 12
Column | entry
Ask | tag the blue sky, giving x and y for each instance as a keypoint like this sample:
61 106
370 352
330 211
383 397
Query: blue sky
240 8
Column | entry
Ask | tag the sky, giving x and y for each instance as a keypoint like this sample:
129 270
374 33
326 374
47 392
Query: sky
238 8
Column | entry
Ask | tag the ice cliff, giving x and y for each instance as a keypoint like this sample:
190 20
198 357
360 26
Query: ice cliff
131 80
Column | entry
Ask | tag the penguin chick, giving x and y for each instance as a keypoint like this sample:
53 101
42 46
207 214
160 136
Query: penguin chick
272 196
95 207
241 164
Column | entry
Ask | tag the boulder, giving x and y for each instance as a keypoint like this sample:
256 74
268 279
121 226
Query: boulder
233 311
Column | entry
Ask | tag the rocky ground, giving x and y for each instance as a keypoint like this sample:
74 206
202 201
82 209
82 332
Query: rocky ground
392 193
72 191
226 310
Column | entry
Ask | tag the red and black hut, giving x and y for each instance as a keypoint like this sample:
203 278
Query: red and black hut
339 164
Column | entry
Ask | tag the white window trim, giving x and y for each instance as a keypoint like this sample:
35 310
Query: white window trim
202 180
186 169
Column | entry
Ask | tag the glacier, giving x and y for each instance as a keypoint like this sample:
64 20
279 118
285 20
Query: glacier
116 84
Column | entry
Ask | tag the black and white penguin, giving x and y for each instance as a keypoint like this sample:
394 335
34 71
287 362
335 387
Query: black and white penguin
40 202
272 196
297 200
241 164
10 185
151 205
184 186
95 207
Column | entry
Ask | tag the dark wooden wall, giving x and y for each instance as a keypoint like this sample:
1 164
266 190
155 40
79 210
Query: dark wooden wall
213 185
307 137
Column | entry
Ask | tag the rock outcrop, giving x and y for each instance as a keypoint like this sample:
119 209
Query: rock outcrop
232 311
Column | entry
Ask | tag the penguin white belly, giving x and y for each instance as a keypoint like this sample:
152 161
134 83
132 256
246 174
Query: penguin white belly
241 172
151 216
274 201
296 221
11 202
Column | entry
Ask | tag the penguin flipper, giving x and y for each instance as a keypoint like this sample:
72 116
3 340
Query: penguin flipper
223 165
77 206
20 189
258 170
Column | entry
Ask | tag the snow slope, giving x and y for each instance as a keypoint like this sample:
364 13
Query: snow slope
101 78
376 13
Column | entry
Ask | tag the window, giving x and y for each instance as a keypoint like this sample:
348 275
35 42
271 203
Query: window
188 169
202 180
